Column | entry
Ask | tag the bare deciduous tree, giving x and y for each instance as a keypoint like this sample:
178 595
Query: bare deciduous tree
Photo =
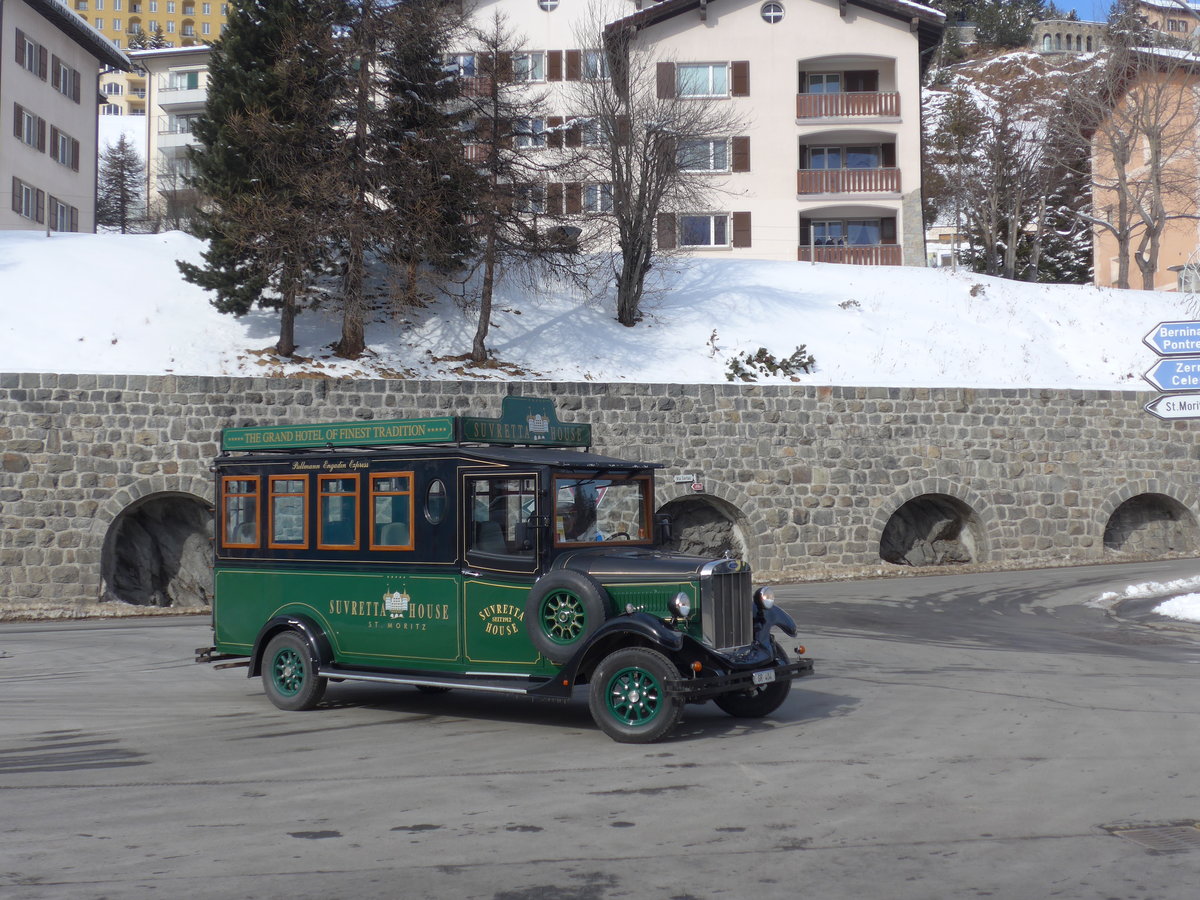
647 134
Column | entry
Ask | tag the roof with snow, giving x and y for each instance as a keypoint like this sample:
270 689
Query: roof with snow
928 22
83 34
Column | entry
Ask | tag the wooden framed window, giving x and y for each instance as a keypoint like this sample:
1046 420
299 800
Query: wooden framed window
391 511
337 517
288 512
239 511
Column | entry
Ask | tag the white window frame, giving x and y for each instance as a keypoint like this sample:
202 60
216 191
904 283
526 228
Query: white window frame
28 200
590 132
110 109
99 23
462 64
116 25
30 54
205 28
530 198
707 81
597 198
594 66
170 26
824 78
716 151
529 66
529 134
59 214
719 229
772 12
61 151
29 128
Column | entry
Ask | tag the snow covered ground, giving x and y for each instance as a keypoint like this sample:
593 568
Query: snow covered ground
1183 602
117 304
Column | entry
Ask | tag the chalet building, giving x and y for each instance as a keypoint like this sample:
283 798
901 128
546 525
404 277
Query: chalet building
127 23
176 81
829 166
50 62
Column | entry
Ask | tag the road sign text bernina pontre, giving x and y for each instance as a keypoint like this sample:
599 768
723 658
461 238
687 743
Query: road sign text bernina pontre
1174 339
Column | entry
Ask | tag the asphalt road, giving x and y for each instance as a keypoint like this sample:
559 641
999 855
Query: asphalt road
967 736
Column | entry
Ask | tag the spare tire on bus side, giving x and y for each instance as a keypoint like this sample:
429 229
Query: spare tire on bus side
563 609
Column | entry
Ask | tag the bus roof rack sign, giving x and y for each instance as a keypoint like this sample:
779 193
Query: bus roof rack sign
526 420
523 420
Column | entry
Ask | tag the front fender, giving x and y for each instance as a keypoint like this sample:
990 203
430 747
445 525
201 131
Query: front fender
631 628
774 618
320 651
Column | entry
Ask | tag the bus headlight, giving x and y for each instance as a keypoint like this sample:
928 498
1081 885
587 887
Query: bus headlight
680 605
765 597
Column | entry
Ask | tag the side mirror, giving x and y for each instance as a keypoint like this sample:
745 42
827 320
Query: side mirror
662 528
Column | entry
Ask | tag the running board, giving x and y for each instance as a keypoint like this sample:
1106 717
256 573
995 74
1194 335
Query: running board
494 687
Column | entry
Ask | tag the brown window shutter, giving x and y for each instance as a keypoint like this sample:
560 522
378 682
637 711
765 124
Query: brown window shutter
74 219
574 198
554 136
554 65
17 132
889 155
666 231
574 134
554 198
741 153
666 80
574 65
41 134
741 229
55 72
504 67
43 62
75 154
54 142
739 71
805 231
20 46
40 207
16 194
75 86
887 230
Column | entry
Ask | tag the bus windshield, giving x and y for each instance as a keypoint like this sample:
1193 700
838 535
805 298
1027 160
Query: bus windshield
592 509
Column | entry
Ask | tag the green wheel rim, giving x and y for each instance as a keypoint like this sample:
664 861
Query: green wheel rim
287 672
634 696
564 618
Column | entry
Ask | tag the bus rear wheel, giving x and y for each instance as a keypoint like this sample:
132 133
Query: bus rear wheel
289 673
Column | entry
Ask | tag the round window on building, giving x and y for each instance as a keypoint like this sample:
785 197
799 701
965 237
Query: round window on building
548 5
435 502
772 12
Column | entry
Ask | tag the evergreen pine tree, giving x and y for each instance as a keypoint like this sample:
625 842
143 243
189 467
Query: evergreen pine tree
428 181
121 186
269 81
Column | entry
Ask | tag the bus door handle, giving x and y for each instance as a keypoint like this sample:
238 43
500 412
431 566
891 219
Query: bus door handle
472 573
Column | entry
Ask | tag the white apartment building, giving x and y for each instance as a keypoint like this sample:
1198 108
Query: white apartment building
829 167
176 91
50 63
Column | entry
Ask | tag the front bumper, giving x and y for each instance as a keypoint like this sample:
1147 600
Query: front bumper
690 689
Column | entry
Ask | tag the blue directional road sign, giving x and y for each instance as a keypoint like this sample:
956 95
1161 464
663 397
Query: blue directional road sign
1176 374
1175 406
1174 339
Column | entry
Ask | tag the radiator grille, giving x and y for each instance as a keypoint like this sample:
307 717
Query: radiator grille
725 612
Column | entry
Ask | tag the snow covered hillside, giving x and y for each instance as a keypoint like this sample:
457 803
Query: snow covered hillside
117 304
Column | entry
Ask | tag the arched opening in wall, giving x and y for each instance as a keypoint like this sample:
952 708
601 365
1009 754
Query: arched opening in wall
932 530
1152 525
704 525
158 552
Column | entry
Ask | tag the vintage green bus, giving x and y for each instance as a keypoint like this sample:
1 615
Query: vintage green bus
493 555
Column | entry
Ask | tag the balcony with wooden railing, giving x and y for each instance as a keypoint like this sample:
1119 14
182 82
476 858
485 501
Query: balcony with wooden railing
854 255
848 105
848 181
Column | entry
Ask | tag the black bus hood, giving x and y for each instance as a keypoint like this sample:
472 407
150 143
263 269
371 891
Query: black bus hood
641 564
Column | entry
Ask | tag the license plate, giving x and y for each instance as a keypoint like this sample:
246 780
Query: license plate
764 677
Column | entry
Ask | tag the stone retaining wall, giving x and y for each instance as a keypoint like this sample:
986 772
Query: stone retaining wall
805 479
